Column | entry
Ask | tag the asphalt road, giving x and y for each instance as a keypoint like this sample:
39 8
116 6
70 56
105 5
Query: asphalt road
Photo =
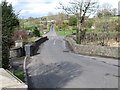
56 66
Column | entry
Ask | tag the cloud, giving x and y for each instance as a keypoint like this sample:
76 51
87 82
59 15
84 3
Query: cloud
114 3
38 7
33 8
14 2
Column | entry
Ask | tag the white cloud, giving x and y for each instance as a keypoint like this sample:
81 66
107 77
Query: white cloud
114 3
39 8
14 2
43 7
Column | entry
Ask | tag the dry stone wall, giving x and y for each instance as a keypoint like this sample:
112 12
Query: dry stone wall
105 51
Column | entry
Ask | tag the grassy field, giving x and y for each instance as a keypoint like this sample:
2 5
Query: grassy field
66 32
115 17
44 32
109 32
30 26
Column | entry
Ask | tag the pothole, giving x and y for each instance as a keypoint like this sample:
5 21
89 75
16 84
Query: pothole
65 50
107 74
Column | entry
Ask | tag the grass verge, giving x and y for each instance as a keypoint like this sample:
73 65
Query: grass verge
19 74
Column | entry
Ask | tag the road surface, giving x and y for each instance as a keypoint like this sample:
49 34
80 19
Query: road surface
55 66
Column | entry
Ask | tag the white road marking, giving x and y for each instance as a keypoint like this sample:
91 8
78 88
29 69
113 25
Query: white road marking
64 45
54 42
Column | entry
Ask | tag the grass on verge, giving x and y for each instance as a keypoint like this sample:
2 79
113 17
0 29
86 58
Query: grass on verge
19 74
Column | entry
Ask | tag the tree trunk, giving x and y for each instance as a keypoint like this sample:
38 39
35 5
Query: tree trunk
78 36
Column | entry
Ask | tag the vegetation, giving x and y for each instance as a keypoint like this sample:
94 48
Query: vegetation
103 27
65 32
44 31
30 26
19 74
9 21
19 34
62 26
105 10
79 9
33 38
36 32
73 21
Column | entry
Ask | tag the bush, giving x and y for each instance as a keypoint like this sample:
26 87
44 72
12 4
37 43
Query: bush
88 23
19 34
62 26
36 32
73 21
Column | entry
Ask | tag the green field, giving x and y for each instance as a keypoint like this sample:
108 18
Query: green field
109 32
30 26
42 32
68 32
65 32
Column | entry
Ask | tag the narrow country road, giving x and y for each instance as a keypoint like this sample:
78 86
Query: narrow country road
55 66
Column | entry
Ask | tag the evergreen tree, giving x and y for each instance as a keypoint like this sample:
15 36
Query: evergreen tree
9 21
36 32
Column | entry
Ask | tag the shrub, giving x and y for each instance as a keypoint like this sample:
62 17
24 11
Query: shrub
20 34
36 32
73 21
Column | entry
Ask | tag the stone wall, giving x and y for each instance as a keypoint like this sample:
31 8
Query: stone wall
32 49
105 51
36 44
19 51
16 52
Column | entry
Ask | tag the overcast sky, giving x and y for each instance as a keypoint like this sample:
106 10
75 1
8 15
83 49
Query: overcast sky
39 8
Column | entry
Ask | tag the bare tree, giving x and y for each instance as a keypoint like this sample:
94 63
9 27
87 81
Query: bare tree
79 8
114 10
105 10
